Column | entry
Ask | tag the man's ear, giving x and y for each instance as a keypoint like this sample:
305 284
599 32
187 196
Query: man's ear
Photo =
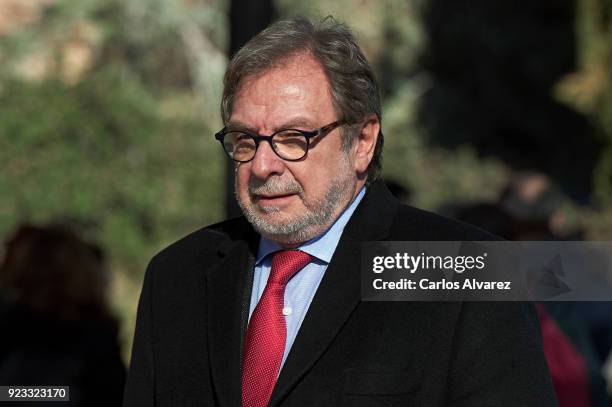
365 143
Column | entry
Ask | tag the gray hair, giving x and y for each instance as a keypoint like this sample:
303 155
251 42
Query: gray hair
354 90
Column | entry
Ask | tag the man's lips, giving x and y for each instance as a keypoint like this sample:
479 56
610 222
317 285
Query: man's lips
273 199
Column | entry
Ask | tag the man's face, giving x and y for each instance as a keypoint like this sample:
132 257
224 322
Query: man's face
292 202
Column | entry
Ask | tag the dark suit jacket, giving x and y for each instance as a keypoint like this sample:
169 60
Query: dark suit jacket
193 312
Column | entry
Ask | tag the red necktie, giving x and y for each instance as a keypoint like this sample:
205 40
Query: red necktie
264 344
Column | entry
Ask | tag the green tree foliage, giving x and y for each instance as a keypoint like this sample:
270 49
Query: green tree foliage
100 155
122 150
593 92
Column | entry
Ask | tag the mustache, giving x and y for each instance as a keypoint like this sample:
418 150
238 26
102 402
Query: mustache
274 186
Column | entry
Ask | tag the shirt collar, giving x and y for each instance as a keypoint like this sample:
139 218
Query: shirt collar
323 246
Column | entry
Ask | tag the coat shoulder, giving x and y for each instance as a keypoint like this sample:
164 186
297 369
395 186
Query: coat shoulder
411 223
204 241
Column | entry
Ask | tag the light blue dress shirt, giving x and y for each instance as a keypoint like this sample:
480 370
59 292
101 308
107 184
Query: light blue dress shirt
300 290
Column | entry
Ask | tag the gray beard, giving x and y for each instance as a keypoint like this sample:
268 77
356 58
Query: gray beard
319 214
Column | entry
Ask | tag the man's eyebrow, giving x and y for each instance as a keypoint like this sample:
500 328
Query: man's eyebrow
298 122
295 123
237 125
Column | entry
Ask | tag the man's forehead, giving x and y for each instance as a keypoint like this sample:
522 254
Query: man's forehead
296 66
292 94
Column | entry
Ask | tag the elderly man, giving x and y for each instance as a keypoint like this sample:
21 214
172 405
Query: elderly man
265 309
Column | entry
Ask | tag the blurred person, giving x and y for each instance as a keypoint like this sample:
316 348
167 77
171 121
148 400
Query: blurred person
57 327
533 202
266 310
529 208
570 364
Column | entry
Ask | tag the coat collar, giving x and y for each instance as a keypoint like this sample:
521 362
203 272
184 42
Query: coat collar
228 288
373 217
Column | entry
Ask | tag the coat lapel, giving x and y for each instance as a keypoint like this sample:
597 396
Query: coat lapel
340 290
228 289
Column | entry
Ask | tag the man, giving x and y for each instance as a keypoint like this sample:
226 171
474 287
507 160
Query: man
265 309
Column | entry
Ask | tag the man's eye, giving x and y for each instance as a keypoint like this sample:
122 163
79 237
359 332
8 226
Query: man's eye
244 144
288 134
292 141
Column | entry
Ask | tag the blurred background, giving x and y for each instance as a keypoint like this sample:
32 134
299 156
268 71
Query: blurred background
498 113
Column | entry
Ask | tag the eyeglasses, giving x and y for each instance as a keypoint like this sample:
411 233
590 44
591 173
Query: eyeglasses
288 144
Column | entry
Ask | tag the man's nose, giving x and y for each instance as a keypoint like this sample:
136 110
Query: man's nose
266 162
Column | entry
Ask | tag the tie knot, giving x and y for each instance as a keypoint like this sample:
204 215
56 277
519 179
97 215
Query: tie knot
286 263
